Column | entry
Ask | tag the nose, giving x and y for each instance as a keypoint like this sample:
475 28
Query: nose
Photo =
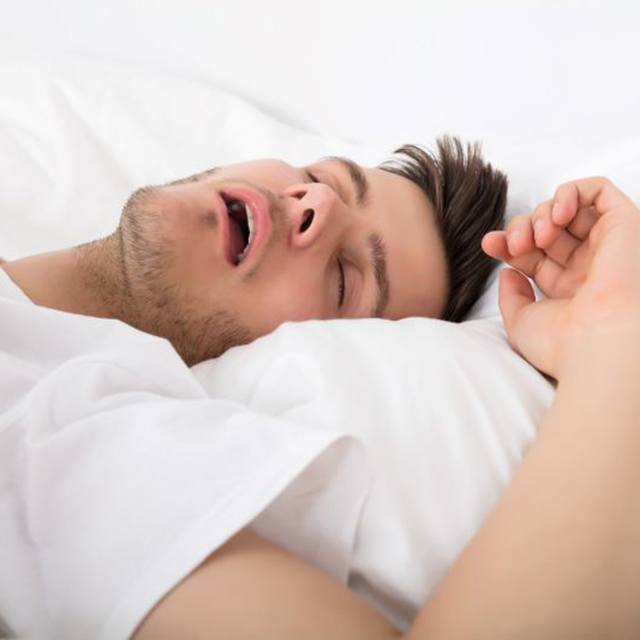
313 214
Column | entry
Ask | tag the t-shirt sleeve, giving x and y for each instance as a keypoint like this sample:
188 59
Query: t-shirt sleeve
129 489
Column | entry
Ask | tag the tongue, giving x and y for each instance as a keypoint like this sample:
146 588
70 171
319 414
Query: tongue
236 238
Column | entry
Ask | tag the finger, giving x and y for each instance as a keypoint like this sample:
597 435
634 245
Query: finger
563 247
561 243
545 230
541 268
547 274
583 222
494 244
565 204
515 293
520 235
537 264
598 192
531 264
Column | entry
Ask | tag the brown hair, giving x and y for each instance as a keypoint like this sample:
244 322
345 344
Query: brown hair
469 197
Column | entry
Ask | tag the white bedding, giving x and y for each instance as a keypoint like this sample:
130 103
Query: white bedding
445 412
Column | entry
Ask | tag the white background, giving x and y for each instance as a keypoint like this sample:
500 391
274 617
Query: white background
384 71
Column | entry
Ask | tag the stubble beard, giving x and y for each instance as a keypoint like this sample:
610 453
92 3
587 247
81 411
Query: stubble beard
135 283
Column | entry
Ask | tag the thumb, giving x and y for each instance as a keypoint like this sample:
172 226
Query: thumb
515 293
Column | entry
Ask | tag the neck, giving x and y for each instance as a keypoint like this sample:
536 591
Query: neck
86 280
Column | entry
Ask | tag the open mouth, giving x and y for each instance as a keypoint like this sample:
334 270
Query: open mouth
241 227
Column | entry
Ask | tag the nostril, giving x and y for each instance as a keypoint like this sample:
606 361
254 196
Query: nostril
307 219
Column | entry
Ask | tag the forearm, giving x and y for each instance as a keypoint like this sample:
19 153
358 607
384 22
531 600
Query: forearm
250 588
560 555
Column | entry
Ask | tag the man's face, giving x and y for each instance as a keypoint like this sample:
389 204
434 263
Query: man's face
359 242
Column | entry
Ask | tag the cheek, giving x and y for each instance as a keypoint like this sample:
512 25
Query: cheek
284 299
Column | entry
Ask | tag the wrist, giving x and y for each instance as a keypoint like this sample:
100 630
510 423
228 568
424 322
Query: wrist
611 348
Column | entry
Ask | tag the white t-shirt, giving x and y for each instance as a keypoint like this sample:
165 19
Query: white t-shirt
120 475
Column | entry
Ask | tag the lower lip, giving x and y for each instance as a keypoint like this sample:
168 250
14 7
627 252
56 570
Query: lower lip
261 221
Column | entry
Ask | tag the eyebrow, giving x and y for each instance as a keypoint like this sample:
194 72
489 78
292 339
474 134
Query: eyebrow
379 261
359 180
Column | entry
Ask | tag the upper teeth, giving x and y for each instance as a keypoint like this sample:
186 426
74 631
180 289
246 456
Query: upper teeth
250 223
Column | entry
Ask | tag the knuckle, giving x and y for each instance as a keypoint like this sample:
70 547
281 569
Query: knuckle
519 219
543 208
517 222
565 187
601 181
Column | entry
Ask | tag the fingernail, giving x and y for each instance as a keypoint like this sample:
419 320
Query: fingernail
554 210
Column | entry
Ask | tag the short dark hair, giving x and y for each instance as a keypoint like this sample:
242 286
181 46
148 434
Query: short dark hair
469 197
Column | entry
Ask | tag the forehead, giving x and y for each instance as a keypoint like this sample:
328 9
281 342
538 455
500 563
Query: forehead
416 258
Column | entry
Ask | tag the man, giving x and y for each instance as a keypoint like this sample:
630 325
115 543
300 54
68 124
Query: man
332 240
113 455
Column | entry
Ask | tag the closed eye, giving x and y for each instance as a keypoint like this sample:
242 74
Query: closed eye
341 283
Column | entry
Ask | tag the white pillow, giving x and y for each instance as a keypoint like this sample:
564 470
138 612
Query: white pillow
444 410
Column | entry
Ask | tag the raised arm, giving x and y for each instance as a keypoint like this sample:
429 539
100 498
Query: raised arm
559 556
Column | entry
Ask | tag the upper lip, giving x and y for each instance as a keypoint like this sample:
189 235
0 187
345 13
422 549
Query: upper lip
262 220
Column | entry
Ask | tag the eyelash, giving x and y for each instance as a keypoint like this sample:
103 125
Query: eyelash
341 283
341 277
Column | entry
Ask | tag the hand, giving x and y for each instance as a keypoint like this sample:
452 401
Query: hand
582 249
